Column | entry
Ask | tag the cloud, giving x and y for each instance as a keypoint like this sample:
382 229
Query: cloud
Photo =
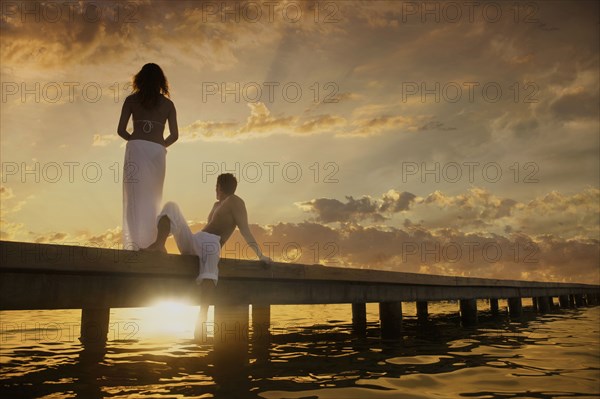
394 201
10 231
262 122
477 207
7 196
210 34
379 124
321 123
575 104
353 210
419 250
332 210
102 140
572 216
6 193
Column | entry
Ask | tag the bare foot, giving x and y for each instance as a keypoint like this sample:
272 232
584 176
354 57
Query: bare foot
155 247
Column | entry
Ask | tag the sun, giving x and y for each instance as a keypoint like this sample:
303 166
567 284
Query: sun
172 317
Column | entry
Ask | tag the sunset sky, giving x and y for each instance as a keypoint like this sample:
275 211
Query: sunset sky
496 103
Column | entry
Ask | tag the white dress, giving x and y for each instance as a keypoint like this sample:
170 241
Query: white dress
143 179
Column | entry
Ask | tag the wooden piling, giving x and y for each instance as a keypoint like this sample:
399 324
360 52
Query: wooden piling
468 312
261 331
231 334
422 311
94 327
261 322
572 301
543 305
535 305
494 306
359 318
515 307
390 317
563 300
579 300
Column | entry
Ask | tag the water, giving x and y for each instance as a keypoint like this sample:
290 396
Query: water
312 354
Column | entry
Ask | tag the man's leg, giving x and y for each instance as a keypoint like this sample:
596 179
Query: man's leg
207 288
171 220
164 228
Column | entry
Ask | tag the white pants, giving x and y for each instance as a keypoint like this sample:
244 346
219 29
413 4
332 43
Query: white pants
206 245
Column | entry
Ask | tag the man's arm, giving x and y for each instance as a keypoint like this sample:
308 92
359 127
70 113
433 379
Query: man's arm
240 216
125 114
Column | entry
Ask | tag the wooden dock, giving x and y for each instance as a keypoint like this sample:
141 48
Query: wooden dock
45 276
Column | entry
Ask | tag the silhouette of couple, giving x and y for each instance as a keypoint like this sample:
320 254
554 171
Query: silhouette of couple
145 225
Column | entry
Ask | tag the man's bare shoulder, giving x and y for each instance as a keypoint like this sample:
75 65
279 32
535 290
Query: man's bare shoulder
234 201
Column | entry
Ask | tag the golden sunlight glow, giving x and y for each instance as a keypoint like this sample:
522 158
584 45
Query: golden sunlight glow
169 317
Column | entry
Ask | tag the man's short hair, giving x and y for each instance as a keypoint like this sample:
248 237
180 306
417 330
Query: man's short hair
228 183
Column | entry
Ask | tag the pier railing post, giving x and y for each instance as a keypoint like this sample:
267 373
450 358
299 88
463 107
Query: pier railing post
468 311
94 327
390 316
359 318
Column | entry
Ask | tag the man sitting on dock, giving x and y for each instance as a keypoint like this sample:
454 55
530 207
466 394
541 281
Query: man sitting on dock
227 213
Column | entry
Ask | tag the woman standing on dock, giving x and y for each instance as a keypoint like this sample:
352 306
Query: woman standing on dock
145 154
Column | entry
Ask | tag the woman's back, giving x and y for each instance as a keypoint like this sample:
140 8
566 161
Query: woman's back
149 123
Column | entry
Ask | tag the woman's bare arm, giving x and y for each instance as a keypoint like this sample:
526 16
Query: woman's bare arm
126 112
173 129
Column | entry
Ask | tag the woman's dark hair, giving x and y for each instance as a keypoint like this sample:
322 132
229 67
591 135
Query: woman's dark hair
149 83
228 183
